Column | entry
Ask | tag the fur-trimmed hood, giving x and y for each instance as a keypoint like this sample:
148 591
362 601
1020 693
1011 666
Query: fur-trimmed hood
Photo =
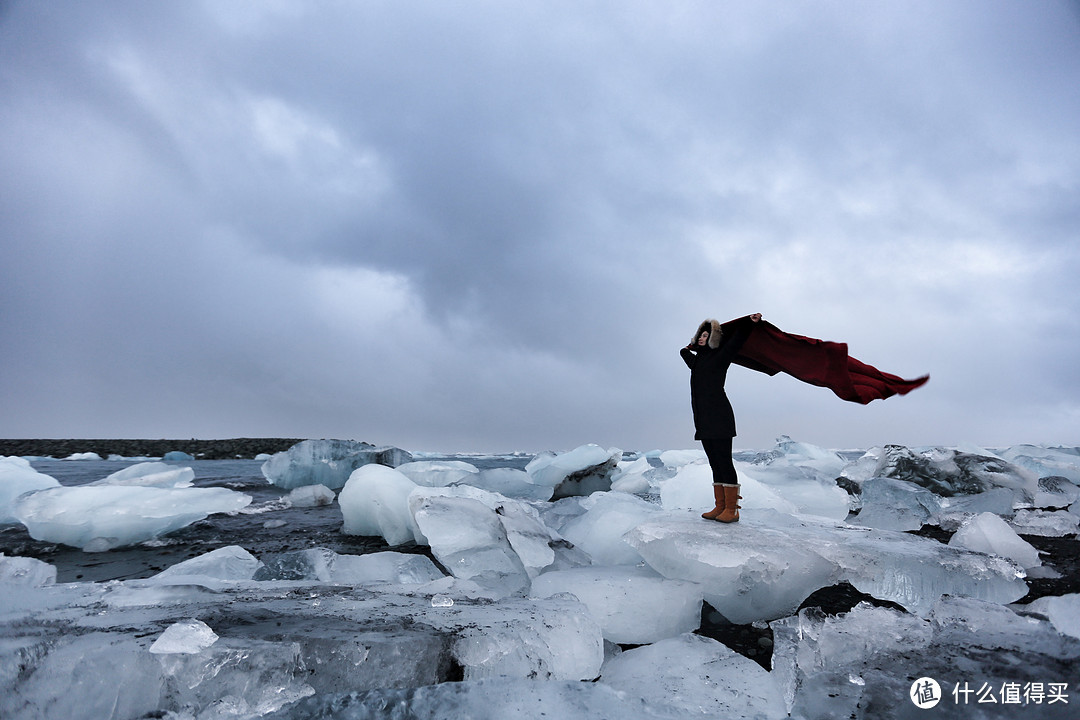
715 332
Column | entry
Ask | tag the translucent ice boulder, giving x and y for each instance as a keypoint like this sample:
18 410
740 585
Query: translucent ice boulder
228 563
18 477
187 637
106 517
599 530
633 605
510 482
469 540
692 489
310 496
1045 462
25 571
890 504
863 663
764 566
150 474
581 471
1045 523
988 533
693 676
375 502
327 462
1063 611
436 473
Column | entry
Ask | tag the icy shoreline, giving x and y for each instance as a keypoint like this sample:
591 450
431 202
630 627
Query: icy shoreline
509 602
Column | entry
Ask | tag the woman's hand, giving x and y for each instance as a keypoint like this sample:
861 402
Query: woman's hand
755 317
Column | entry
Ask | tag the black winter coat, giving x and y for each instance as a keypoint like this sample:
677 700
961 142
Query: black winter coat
713 416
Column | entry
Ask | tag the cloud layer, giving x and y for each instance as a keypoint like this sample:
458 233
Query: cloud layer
483 226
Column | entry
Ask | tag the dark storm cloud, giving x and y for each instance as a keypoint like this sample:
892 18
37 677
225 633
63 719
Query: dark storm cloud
484 225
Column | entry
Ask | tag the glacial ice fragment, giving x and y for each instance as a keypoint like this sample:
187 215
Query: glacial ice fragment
435 473
149 474
228 563
18 477
633 605
582 471
861 664
764 566
110 516
311 496
890 504
599 531
694 676
188 637
987 533
375 501
327 462
26 571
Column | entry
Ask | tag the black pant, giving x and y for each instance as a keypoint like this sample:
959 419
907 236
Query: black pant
718 450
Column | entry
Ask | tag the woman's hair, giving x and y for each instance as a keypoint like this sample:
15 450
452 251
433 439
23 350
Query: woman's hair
712 327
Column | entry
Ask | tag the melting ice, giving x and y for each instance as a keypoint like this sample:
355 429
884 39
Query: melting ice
588 565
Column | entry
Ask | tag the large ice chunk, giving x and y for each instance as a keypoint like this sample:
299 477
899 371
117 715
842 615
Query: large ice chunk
599 531
1045 462
582 471
26 571
511 482
862 664
375 501
228 563
469 540
764 566
633 605
536 545
436 473
327 462
310 496
949 472
1063 612
106 517
18 477
1045 523
890 504
150 474
389 567
188 637
692 489
1055 491
693 676
495 698
987 533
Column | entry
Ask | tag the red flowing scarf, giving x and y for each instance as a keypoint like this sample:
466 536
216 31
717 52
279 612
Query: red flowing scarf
818 362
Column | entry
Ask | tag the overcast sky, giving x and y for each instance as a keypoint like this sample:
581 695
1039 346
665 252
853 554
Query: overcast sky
490 226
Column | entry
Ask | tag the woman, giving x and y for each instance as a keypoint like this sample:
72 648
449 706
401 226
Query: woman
709 356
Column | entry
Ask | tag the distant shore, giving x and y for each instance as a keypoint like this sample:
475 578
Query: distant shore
199 449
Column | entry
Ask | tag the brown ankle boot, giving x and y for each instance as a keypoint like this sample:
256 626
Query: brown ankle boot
731 504
718 493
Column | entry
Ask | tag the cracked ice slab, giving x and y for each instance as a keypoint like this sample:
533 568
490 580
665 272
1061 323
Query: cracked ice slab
301 637
764 566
